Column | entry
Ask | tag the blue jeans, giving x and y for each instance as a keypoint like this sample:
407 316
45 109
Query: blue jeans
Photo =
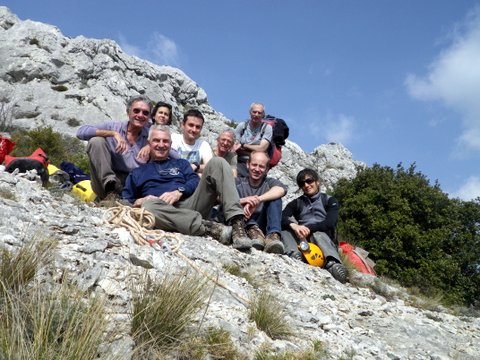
269 220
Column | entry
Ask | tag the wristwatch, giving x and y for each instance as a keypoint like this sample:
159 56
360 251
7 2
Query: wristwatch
181 189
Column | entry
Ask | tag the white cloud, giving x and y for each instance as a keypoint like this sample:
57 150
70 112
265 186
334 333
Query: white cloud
163 50
127 47
159 49
331 128
470 190
454 79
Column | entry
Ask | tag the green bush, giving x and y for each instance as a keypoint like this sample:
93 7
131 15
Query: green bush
413 231
58 147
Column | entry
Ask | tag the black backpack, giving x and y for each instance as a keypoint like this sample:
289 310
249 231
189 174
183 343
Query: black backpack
280 129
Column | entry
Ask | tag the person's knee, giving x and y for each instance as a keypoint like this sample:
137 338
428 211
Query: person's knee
95 143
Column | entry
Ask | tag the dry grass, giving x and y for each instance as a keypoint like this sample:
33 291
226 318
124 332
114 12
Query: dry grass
38 321
269 316
316 352
163 309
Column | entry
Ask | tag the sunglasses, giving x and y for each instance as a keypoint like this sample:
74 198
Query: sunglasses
144 112
308 181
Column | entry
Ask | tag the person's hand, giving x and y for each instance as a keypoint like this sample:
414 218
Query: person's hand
253 200
140 201
171 197
248 211
236 146
122 145
301 231
144 153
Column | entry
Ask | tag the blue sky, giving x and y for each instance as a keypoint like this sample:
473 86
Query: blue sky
393 81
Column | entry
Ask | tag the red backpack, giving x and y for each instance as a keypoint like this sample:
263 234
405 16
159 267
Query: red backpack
6 147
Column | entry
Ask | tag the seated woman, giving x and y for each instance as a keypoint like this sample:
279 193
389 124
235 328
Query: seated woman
313 217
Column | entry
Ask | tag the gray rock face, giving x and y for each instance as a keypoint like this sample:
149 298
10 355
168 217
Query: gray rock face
48 79
351 321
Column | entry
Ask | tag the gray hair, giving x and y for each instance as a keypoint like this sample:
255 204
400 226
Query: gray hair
228 131
163 128
257 103
134 99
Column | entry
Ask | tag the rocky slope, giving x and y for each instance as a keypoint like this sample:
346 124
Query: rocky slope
352 321
49 79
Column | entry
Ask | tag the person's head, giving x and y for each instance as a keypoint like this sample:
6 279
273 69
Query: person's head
308 181
162 113
160 141
257 111
138 111
257 165
192 125
225 141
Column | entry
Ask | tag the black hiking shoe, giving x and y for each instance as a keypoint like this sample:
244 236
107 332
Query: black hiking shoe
240 240
221 233
338 271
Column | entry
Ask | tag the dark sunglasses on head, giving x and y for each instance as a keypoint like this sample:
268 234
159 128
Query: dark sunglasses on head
308 181
144 112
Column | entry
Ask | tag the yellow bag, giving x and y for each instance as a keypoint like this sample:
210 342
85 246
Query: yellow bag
83 190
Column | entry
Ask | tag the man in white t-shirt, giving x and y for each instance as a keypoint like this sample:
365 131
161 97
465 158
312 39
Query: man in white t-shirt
188 144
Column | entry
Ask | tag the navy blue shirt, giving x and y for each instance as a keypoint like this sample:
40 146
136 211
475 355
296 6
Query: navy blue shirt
158 177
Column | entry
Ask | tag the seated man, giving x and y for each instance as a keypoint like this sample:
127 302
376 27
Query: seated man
261 198
180 200
114 146
225 142
188 144
313 217
252 135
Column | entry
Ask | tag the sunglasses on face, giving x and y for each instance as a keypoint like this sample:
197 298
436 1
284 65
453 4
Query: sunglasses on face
144 112
308 181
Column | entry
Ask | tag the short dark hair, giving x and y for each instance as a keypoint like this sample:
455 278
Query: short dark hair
134 99
159 105
195 113
307 172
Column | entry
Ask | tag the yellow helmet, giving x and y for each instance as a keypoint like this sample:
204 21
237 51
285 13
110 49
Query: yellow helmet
313 255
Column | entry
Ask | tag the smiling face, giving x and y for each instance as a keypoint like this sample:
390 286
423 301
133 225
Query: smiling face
160 143
257 167
225 142
162 116
309 186
191 128
138 114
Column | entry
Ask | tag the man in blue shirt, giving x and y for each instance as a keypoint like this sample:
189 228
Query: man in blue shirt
180 199
113 147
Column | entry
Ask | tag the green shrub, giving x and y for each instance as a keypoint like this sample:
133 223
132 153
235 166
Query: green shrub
269 316
58 147
413 231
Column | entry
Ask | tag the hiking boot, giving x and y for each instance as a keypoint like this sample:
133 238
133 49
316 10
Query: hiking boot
257 237
338 271
221 233
240 239
273 244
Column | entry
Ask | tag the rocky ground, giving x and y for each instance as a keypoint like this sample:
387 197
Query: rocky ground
352 321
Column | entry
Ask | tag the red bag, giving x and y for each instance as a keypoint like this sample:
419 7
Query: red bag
358 257
6 147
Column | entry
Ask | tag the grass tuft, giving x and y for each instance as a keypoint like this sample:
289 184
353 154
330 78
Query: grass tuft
18 269
269 316
163 309
316 352
42 322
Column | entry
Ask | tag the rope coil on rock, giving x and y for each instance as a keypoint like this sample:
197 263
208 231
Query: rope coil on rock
140 223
